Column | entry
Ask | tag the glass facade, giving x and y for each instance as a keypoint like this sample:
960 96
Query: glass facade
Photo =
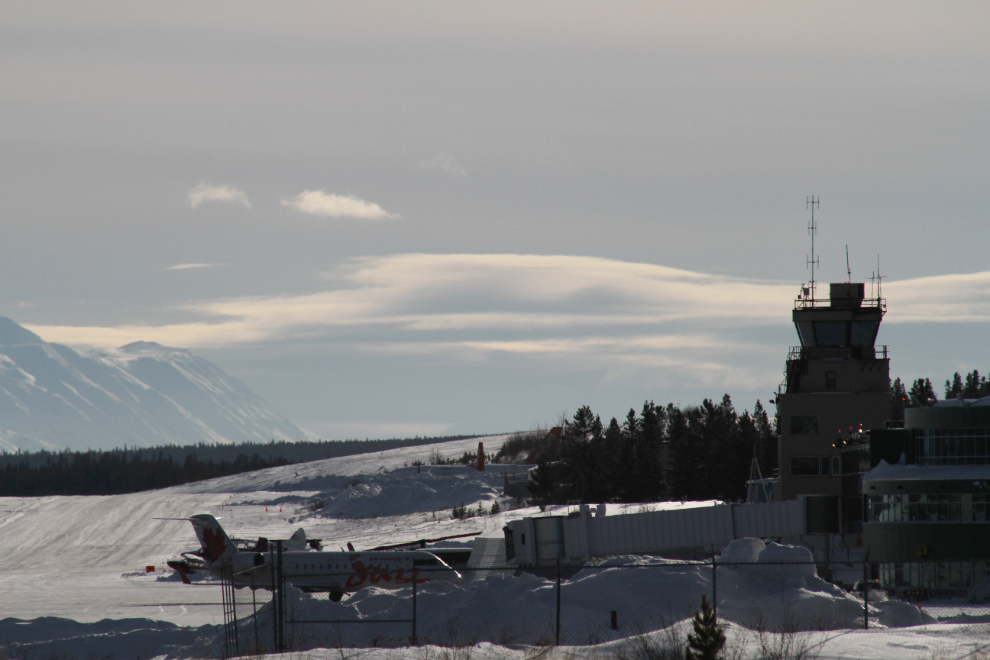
932 507
953 446
932 577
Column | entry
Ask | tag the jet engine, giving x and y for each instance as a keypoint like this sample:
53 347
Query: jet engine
244 562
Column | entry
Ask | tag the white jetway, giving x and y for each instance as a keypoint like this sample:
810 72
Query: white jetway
588 533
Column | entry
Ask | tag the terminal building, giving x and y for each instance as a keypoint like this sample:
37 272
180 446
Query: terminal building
925 490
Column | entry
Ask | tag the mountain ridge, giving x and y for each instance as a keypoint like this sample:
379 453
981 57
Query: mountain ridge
142 394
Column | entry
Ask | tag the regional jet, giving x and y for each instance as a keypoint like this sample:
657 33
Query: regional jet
316 571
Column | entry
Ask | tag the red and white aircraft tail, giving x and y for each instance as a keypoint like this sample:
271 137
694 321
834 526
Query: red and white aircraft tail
214 541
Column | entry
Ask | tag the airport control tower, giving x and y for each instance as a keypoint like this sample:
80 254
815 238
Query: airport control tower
836 383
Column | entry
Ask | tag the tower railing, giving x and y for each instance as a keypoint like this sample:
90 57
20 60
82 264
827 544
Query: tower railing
861 352
826 303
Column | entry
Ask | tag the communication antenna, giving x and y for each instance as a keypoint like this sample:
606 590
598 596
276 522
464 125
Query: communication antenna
811 202
879 281
849 275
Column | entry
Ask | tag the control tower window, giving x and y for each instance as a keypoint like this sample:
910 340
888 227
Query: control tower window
830 333
806 332
864 333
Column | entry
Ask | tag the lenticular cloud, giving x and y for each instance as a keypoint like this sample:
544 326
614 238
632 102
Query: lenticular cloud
319 203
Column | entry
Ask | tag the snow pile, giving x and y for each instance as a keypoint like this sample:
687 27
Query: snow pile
54 637
410 490
782 591
778 592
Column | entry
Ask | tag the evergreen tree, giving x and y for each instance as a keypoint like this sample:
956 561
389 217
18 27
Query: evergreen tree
955 389
766 452
541 484
898 399
708 638
922 393
496 509
975 385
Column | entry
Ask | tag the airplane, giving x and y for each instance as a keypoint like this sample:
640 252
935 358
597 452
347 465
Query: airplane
336 573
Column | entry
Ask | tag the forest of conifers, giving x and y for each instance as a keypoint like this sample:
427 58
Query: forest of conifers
131 470
663 452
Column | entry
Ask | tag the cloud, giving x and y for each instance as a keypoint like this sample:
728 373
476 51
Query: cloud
445 163
956 298
188 266
568 311
478 296
207 192
317 202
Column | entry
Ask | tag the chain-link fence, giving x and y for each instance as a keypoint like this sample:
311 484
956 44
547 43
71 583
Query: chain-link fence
569 605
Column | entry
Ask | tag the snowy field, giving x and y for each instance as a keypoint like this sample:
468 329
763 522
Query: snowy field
73 580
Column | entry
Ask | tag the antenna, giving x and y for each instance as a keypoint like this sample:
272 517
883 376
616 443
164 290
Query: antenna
879 281
849 275
811 202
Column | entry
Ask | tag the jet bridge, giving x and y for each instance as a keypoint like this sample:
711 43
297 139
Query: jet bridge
683 533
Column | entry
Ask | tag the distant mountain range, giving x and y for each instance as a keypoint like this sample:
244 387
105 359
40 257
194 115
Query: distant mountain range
141 395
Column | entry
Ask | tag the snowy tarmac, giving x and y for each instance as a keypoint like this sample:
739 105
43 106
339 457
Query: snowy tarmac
84 559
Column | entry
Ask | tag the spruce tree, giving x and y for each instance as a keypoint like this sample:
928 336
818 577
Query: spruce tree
708 637
922 393
898 399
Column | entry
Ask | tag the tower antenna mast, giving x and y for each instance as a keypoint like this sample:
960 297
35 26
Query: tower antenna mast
811 202
849 274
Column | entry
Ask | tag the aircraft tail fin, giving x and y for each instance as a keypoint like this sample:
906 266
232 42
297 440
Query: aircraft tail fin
297 541
214 541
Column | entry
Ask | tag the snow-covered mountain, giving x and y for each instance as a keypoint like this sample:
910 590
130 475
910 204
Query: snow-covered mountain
142 394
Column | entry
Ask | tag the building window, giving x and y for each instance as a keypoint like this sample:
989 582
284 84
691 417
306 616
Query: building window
805 466
864 333
831 380
930 507
804 425
830 334
969 446
836 466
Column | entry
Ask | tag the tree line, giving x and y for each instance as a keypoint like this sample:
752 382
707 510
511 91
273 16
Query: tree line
661 453
116 472
293 452
922 393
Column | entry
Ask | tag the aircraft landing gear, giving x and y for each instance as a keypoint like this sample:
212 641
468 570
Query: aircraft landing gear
336 595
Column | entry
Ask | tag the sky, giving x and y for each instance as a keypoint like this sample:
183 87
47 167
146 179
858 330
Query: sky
397 219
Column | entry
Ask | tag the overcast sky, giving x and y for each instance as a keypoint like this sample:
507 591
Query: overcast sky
392 219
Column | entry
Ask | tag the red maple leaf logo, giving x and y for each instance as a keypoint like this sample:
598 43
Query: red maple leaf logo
215 546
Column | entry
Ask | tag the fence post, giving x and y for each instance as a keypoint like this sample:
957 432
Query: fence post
415 574
225 599
866 599
254 615
714 586
557 638
233 610
272 576
280 598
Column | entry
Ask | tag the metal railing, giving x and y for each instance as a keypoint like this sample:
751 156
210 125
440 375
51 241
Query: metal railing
817 352
826 303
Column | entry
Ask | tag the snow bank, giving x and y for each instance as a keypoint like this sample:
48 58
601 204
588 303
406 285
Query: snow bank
778 592
55 637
